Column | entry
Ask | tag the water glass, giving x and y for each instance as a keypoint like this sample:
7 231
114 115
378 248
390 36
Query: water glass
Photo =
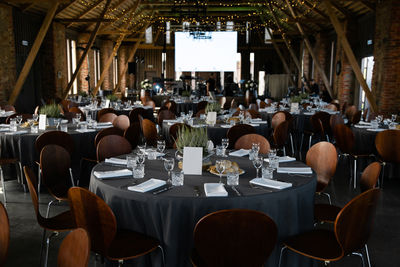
374 124
141 157
160 146
83 126
274 162
151 154
19 119
34 129
169 166
130 162
232 178
220 151
394 117
190 113
78 116
272 153
177 178
35 117
64 127
267 172
138 171
13 125
75 121
225 144
202 116
255 146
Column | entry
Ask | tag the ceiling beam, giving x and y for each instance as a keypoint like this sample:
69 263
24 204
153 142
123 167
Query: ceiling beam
368 4
64 7
28 7
34 1
316 10
132 8
86 11
83 20
342 10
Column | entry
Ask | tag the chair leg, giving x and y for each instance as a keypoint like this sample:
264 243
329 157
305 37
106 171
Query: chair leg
383 173
329 197
309 142
39 182
72 177
47 247
41 247
301 143
162 255
367 255
355 173
361 256
291 143
3 185
48 208
280 255
284 151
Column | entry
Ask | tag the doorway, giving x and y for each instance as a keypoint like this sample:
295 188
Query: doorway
367 65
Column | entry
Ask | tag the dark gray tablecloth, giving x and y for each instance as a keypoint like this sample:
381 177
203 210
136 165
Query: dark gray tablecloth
147 115
364 141
172 215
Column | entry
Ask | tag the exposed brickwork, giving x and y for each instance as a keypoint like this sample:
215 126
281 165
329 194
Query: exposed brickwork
7 53
83 39
122 61
386 75
306 63
322 52
346 83
106 48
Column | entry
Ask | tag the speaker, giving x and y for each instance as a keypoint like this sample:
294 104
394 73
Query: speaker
132 68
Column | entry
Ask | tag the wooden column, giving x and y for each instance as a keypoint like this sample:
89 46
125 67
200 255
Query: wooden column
88 46
350 55
309 47
32 53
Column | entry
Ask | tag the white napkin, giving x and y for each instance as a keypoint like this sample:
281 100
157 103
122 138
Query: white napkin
240 153
110 174
170 121
116 161
215 190
85 131
108 123
376 130
308 113
362 126
5 125
226 126
303 170
146 152
258 121
17 132
270 183
364 123
9 113
103 126
254 124
283 159
147 186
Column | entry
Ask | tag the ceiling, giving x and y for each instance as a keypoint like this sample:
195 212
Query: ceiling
130 16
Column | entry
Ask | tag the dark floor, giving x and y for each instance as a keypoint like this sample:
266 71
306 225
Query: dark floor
383 243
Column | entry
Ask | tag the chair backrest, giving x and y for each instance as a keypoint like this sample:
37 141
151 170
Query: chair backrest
105 132
4 234
111 146
235 237
354 223
24 116
344 137
246 141
334 120
165 115
202 105
57 138
108 117
350 111
356 117
121 122
103 111
370 176
234 103
387 144
95 216
77 110
31 180
281 134
55 162
262 104
277 119
324 117
65 104
74 251
332 107
171 106
254 113
322 158
9 108
134 114
149 132
132 134
235 132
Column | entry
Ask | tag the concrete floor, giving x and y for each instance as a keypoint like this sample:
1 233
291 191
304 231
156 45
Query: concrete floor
383 243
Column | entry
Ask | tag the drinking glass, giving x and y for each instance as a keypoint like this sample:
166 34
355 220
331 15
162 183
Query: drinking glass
13 125
141 157
225 144
257 163
19 119
255 146
169 166
232 178
35 117
220 168
190 113
160 146
130 162
138 171
267 172
152 154
253 153
219 151
394 117
78 116
177 178
272 153
274 162
64 127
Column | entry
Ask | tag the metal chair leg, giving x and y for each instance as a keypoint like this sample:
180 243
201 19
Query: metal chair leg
329 197
48 208
301 143
361 256
162 255
280 255
355 173
284 151
309 142
72 177
367 254
39 182
291 143
41 247
47 246
3 185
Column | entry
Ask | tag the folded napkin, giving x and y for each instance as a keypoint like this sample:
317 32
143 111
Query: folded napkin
362 126
111 174
240 153
303 170
270 183
5 125
254 124
364 123
147 186
284 159
170 121
376 130
255 121
17 132
103 126
226 125
308 113
215 190
108 123
85 131
116 161
8 113
146 152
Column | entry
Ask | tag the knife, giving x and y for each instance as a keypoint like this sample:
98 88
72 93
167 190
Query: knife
236 191
162 190
197 191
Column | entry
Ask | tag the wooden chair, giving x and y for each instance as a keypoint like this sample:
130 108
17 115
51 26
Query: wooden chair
55 164
322 158
65 105
235 132
171 106
74 251
111 146
280 136
134 114
277 119
254 113
103 111
332 107
24 116
356 117
165 115
92 214
334 120
246 141
387 144
108 117
4 234
262 105
253 106
234 104
59 223
149 130
121 122
350 111
202 105
369 179
320 122
352 229
77 110
234 237
132 134
150 103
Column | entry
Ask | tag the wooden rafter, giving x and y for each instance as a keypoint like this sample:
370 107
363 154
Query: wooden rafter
289 16
134 7
33 52
86 11
83 57
111 11
83 20
316 10
64 7
28 7
342 10
350 55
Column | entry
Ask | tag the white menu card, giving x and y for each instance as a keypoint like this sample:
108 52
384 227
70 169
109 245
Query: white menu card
42 122
211 117
192 160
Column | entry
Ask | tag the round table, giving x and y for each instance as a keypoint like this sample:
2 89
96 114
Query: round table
172 215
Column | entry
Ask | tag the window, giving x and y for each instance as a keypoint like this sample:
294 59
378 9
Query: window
163 64
236 74
71 64
115 71
261 82
96 66
367 65
251 66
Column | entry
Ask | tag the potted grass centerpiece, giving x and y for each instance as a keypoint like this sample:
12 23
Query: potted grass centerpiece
52 112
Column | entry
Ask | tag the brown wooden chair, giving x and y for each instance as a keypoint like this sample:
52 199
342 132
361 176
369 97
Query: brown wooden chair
165 115
277 119
135 113
387 144
369 179
234 237
334 120
74 251
103 111
92 214
149 130
246 141
332 107
202 105
235 132
171 106
352 229
234 103
121 122
111 146
322 158
262 105
132 134
4 234
24 116
77 110
108 117
320 122
350 111
253 106
59 223
105 132
356 117
280 136
65 105
254 113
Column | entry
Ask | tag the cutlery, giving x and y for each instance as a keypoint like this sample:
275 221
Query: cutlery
162 190
262 188
197 191
236 191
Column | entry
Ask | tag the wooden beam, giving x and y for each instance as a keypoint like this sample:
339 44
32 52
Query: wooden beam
342 10
28 7
134 7
368 4
350 55
86 11
35 1
112 10
33 52
311 51
315 9
83 57
83 20
64 7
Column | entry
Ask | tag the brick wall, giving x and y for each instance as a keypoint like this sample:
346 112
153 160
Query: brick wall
106 48
83 39
7 53
386 74
122 61
346 82
322 53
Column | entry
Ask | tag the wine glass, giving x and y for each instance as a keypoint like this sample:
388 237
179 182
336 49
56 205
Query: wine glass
394 117
169 165
35 117
141 157
225 144
257 163
160 146
190 113
220 168
19 119
78 116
